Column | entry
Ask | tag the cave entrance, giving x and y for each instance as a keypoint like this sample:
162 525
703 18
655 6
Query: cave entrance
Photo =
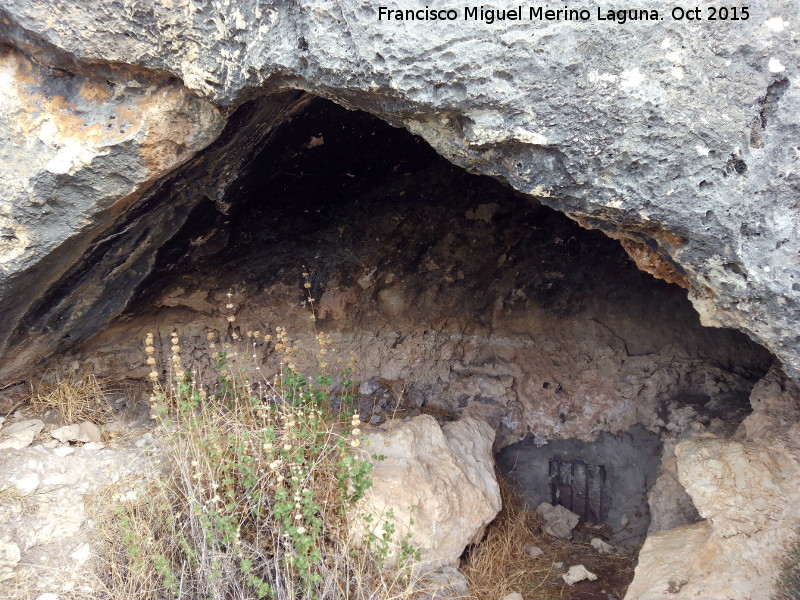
453 292
604 482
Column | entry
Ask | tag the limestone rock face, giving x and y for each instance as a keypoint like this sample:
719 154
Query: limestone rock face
679 141
740 487
670 505
79 150
747 489
435 485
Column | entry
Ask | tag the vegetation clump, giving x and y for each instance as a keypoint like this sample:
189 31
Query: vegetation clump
258 482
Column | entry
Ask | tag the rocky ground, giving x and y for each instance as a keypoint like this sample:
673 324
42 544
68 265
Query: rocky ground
738 484
60 481
51 491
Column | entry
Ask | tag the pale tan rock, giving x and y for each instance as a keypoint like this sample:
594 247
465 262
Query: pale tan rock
85 432
533 550
578 573
20 434
45 534
748 491
443 583
670 505
601 546
66 434
89 432
26 483
513 596
740 487
82 553
9 558
667 562
441 479
557 520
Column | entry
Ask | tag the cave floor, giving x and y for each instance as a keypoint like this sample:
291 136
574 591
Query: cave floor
48 510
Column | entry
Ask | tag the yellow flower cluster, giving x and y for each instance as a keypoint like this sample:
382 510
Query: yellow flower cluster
149 350
355 442
324 340
176 348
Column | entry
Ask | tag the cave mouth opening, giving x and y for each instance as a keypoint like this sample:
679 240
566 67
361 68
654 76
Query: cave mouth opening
605 482
456 294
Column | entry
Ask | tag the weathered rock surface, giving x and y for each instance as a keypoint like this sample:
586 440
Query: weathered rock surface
630 463
9 559
747 489
436 487
601 546
511 309
80 147
670 505
47 534
557 520
20 434
82 432
444 583
669 559
696 174
118 119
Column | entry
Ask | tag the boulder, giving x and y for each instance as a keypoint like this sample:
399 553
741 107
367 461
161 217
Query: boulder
435 487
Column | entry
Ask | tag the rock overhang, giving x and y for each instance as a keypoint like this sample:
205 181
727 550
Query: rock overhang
676 139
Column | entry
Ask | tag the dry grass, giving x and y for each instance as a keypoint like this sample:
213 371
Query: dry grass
13 500
498 565
76 400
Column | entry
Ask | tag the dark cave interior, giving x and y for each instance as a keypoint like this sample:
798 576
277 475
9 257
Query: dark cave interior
455 292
